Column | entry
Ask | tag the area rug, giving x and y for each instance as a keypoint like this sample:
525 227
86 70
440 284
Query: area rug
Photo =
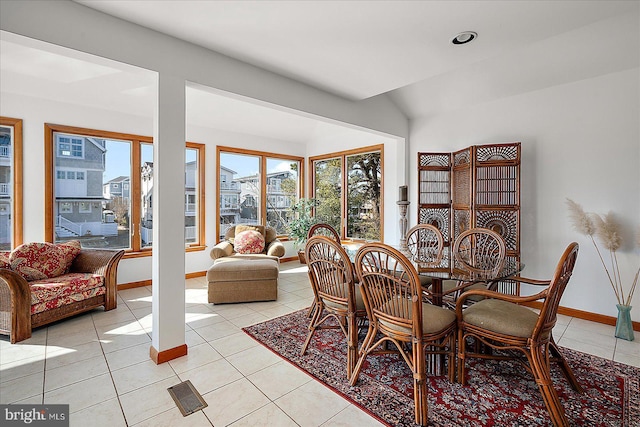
497 393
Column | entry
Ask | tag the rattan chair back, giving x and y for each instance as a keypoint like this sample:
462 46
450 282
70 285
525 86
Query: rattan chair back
480 251
323 229
426 245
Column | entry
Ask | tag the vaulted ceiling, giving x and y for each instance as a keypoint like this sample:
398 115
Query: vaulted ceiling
354 49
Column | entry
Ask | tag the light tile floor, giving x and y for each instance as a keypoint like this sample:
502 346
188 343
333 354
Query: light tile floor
99 364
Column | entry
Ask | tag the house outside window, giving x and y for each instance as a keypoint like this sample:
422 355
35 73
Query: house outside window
10 183
90 183
251 186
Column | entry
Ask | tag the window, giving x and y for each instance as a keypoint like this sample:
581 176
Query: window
10 183
348 186
84 207
70 146
66 207
257 188
90 199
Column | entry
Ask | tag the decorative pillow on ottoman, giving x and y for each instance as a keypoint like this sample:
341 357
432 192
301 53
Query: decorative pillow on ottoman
249 242
37 261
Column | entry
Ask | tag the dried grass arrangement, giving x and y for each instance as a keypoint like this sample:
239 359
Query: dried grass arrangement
607 230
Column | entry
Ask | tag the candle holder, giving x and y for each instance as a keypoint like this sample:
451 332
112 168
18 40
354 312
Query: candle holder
403 205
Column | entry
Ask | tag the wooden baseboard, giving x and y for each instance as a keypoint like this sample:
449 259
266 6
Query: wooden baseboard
159 357
585 315
294 258
195 274
142 283
132 285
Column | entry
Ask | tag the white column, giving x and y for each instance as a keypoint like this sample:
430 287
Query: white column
168 287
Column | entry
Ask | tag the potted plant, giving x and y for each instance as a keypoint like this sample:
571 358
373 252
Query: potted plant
301 222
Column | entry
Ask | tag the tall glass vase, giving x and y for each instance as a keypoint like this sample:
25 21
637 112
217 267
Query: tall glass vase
624 328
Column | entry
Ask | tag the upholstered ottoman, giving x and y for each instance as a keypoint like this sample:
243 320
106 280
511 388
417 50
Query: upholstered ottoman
243 279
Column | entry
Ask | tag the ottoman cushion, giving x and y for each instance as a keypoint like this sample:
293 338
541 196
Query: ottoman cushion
238 269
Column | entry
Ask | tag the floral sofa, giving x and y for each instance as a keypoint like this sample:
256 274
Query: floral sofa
41 283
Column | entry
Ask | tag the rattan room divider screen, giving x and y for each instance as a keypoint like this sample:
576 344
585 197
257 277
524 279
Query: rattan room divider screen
478 186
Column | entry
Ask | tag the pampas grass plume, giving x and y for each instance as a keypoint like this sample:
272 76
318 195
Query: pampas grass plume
608 231
582 222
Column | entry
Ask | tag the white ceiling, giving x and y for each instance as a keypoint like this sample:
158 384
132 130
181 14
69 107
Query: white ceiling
356 49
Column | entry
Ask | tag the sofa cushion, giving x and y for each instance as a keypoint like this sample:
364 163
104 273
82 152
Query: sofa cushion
36 261
55 288
4 259
249 242
66 300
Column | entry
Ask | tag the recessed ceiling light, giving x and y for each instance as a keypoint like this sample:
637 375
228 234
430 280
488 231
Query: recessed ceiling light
464 37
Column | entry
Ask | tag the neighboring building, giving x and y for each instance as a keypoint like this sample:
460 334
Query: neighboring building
190 202
80 164
279 199
146 193
5 186
229 199
249 194
117 187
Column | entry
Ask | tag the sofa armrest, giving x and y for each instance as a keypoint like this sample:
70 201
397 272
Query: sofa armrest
220 250
15 305
105 263
276 248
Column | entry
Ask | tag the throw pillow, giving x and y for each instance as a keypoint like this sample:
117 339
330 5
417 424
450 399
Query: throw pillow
249 242
37 261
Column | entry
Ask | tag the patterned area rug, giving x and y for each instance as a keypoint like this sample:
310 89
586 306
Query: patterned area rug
497 394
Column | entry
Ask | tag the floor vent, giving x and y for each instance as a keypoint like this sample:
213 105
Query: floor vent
187 398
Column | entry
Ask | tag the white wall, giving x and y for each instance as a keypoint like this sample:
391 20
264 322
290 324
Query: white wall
579 140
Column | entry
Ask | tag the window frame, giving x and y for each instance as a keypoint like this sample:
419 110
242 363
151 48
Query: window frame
262 206
136 249
16 171
343 155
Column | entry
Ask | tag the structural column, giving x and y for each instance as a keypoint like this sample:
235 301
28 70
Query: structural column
168 287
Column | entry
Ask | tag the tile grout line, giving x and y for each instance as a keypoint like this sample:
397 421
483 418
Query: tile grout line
115 389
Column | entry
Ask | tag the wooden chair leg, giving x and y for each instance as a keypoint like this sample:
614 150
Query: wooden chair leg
313 325
461 357
364 351
420 384
352 343
566 369
540 368
452 356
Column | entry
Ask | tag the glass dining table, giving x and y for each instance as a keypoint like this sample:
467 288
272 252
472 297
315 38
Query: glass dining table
438 275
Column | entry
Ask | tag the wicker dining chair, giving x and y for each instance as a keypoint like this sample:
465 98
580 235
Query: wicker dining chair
500 322
480 252
426 249
397 314
335 294
323 229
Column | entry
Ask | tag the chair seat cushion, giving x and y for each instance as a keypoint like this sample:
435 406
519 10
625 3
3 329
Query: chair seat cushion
434 319
55 292
358 295
502 317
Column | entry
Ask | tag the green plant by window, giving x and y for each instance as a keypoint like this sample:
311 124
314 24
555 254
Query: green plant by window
303 219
